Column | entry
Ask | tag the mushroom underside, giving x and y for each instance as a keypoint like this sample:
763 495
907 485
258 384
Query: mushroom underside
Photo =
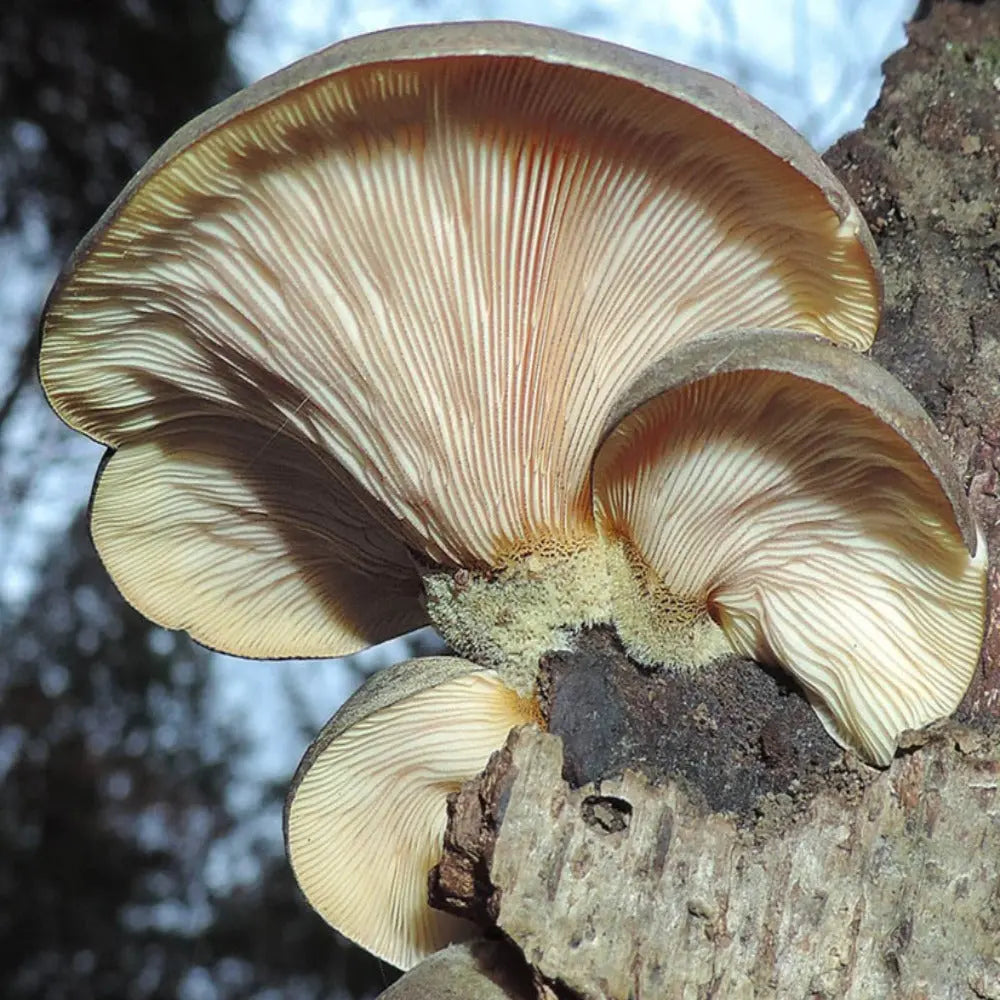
779 517
366 813
437 273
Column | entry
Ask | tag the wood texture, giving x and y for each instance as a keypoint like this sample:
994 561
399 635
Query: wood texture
628 890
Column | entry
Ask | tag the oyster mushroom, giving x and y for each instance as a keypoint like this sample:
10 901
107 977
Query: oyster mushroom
475 970
379 304
366 813
773 495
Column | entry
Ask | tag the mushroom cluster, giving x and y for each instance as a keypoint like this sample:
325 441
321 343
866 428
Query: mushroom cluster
509 331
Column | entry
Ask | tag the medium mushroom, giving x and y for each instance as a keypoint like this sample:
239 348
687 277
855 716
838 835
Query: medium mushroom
366 813
775 496
376 308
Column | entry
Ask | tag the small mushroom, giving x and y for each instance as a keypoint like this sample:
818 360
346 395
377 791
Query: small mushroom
474 970
381 302
366 813
773 495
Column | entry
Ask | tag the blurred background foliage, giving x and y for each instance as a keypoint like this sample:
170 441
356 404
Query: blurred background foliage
115 773
136 859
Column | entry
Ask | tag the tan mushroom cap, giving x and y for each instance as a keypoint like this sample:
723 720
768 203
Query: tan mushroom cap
431 258
366 813
792 502
473 970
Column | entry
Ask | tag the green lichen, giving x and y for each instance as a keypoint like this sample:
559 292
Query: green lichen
982 56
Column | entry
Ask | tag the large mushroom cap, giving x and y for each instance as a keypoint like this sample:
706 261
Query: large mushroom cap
419 266
791 501
366 813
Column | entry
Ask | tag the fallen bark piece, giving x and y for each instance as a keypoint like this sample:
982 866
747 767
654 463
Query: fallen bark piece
620 889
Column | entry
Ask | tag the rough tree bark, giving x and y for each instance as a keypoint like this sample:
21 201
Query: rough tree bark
697 838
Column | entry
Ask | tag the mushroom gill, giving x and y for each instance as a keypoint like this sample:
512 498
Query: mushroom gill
791 502
366 813
254 546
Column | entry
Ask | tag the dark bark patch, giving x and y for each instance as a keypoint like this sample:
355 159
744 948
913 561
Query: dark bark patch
606 813
734 732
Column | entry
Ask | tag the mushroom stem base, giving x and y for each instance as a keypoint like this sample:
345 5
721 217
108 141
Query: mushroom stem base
656 625
509 618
